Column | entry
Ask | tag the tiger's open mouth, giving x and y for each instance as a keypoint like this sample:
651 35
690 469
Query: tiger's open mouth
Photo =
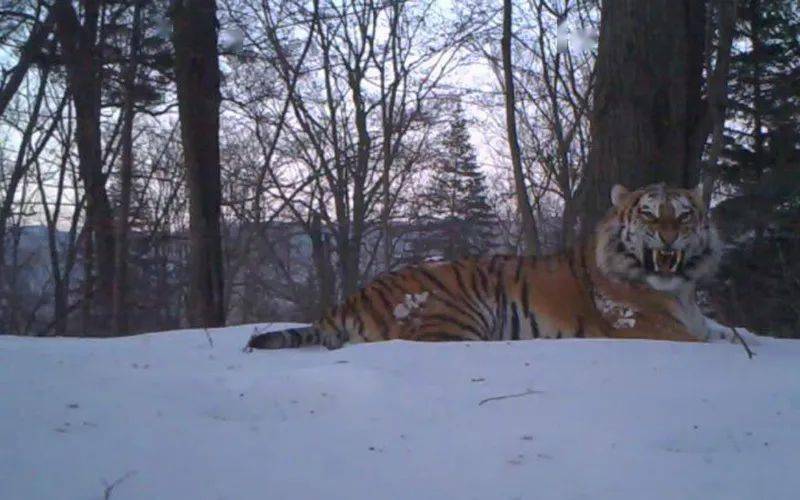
663 261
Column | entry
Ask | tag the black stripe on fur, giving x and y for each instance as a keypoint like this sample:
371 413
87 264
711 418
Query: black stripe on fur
294 337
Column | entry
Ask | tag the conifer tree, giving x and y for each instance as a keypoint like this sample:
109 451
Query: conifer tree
760 171
457 217
763 137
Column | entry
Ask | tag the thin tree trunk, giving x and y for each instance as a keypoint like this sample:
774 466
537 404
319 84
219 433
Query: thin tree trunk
757 41
88 279
59 278
322 265
198 81
79 49
718 91
388 102
120 306
351 274
386 212
523 202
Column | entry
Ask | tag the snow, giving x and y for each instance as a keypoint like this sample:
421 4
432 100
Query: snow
170 415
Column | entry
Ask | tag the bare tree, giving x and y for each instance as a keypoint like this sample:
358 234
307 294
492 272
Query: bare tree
520 189
353 134
120 307
63 254
29 52
552 86
31 145
81 55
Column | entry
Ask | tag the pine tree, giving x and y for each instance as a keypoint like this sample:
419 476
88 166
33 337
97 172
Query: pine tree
457 217
764 132
760 171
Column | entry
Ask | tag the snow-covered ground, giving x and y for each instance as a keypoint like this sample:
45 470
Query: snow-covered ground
171 416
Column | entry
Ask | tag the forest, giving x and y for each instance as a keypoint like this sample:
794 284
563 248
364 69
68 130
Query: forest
166 164
301 249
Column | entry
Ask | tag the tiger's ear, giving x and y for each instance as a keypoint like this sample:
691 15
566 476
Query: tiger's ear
618 193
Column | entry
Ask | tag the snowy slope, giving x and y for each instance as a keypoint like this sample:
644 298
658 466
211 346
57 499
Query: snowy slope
169 416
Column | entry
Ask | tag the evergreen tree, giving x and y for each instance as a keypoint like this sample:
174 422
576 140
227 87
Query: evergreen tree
760 170
764 134
456 216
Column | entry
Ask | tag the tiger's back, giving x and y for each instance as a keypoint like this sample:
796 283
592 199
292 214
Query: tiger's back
497 298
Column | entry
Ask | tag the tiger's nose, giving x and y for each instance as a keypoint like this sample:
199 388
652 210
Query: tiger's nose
668 236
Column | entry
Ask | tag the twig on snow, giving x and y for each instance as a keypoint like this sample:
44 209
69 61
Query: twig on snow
527 392
750 353
110 487
208 336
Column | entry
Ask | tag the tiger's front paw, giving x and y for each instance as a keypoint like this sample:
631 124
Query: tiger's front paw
722 333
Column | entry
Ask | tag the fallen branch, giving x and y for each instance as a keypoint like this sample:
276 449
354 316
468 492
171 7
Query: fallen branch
527 392
110 487
750 353
208 336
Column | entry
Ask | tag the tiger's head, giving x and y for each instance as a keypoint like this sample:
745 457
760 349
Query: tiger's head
659 236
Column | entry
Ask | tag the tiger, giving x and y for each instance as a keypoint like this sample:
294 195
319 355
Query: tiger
635 277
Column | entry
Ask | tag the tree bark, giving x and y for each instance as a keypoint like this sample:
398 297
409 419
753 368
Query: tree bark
120 306
79 50
647 102
320 251
523 202
198 81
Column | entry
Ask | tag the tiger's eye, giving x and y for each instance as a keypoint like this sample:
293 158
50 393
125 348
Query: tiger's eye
647 215
685 217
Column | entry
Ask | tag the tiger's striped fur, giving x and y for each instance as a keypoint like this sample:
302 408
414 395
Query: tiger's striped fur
567 295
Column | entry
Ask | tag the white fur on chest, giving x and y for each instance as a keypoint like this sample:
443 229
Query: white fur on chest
664 283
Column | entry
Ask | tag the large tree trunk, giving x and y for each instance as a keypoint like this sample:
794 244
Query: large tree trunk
79 50
647 101
197 76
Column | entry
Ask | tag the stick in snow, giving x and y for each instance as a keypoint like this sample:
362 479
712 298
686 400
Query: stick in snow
110 487
750 353
527 392
208 336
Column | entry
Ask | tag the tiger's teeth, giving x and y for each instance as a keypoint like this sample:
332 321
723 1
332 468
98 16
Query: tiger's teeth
655 260
676 263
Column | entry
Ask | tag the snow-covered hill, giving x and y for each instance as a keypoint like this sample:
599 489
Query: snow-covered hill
170 415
